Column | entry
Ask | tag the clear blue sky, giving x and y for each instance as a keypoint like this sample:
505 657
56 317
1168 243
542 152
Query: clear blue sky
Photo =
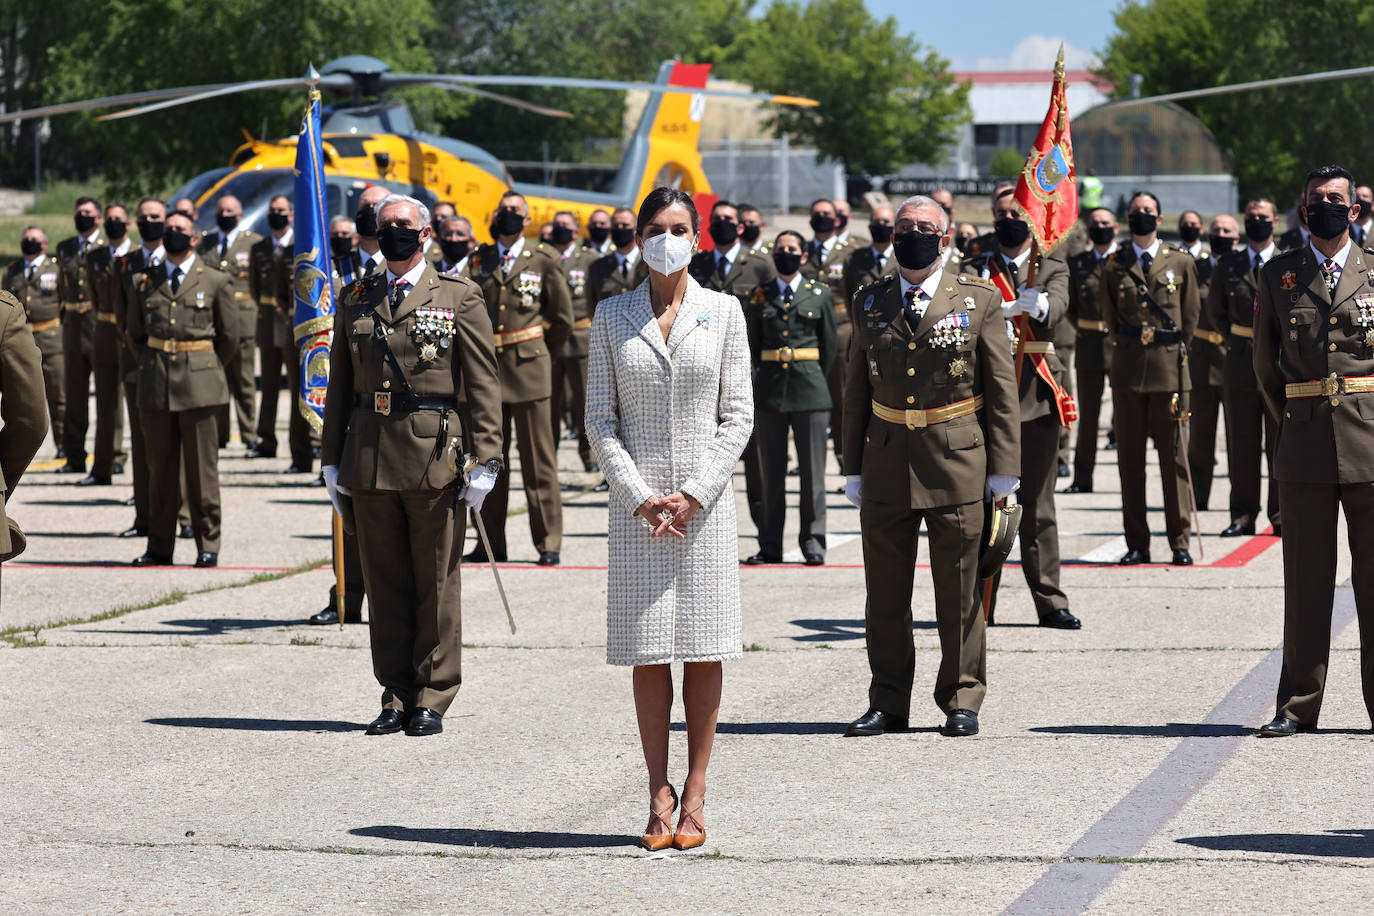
1001 34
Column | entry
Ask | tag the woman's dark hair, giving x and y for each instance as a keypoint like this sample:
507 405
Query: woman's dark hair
796 235
658 200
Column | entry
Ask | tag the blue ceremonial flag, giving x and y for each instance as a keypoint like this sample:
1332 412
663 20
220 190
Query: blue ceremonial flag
311 274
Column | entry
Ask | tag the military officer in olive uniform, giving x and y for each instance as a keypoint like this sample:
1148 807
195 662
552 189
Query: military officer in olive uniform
531 314
229 249
1314 361
931 431
569 366
183 328
23 421
1206 362
407 341
622 269
1150 305
78 330
1252 431
1042 308
1093 351
33 281
791 324
731 268
455 246
751 226
102 282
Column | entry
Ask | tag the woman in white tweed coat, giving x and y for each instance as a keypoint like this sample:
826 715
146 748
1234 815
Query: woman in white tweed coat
669 410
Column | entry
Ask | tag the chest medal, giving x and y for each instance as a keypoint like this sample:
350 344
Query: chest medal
431 330
958 367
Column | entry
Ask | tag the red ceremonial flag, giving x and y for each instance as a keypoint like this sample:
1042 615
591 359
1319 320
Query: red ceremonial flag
1046 190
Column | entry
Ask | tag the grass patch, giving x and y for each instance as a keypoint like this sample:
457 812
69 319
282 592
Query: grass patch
306 641
754 647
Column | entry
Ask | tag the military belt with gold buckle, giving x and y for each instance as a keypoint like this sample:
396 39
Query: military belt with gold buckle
582 324
1330 386
1240 330
48 325
790 355
1086 325
384 403
78 308
179 346
107 317
507 338
1038 346
920 419
1212 337
1149 335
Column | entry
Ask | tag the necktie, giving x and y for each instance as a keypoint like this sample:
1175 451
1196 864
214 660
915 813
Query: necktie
1146 260
1329 275
1013 273
176 280
223 246
624 268
506 260
787 293
29 274
399 288
1259 262
723 265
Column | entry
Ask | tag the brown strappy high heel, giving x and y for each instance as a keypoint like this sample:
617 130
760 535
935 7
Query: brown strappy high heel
655 842
689 840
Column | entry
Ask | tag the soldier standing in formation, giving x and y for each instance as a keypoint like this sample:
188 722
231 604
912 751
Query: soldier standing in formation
78 330
455 245
621 270
380 430
183 328
931 431
791 326
33 281
1314 362
599 231
868 264
229 249
751 226
1150 306
23 422
1206 363
1251 431
1093 352
102 280
1043 306
569 366
525 289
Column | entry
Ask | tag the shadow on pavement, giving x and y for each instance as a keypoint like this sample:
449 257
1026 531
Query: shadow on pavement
495 839
1357 844
257 725
217 627
830 630
1171 730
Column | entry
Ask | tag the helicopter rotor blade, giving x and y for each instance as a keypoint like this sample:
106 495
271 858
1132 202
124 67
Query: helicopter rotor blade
568 82
331 81
423 80
108 101
1246 87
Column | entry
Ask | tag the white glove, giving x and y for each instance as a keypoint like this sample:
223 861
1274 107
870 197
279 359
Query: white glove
480 483
1000 486
852 485
330 473
1031 301
1015 307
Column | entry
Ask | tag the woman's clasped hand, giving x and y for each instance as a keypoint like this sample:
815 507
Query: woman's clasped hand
669 514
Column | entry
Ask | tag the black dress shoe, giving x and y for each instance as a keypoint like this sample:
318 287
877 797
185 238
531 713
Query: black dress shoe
70 468
1278 530
813 559
478 555
1181 558
874 722
424 722
1077 487
151 559
186 532
259 452
761 559
1064 469
1282 727
317 482
548 558
1236 529
1061 619
131 501
207 560
602 487
296 469
591 467
960 723
90 480
1135 558
330 617
117 468
61 452
388 723
137 531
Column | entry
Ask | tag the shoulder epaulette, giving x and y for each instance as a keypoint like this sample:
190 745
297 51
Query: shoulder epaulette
974 280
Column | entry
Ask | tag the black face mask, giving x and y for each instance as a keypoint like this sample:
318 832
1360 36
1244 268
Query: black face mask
724 233
455 251
116 229
150 230
1327 220
787 262
277 221
1142 223
1011 233
176 241
749 234
962 242
508 222
881 232
366 222
841 220
84 222
1101 235
30 247
1220 244
1258 229
1189 234
1366 208
226 222
341 246
620 236
916 250
822 223
562 235
398 243
599 234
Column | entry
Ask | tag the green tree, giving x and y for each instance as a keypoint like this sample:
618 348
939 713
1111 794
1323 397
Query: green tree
884 100
1273 136
1007 162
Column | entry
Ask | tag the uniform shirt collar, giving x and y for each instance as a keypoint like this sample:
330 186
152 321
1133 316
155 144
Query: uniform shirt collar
730 255
1195 249
1111 250
365 259
1152 251
411 276
928 286
1339 257
1267 252
36 263
514 250
632 258
158 254
185 266
454 268
287 237
794 285
122 248
829 244
885 253
1020 260
228 239
89 237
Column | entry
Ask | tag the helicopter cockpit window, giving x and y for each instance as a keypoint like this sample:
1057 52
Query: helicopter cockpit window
199 185
254 190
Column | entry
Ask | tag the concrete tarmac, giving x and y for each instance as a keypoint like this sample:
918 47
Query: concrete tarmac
177 739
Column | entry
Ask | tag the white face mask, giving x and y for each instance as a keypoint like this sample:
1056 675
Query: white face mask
666 253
